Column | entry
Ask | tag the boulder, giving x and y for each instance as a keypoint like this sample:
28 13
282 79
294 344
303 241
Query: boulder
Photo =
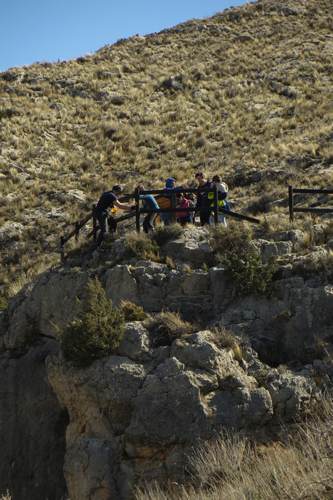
291 395
121 284
46 306
270 250
192 247
135 343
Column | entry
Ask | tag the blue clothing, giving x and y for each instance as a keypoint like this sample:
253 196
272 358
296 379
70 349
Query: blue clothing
170 183
149 201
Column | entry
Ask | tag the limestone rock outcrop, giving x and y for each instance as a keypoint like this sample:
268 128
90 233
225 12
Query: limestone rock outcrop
135 417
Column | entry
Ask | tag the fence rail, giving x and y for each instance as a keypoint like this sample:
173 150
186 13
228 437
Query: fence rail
138 210
315 210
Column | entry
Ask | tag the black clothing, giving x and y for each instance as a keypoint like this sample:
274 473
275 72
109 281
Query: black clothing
106 201
205 216
203 204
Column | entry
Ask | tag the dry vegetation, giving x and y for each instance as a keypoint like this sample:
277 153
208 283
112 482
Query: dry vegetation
251 99
233 468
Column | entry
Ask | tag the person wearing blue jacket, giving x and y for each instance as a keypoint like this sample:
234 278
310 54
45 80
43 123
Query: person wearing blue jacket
149 203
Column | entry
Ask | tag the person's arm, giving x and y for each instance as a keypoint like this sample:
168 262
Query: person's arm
123 206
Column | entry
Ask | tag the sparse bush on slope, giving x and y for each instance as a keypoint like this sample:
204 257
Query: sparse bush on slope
140 245
97 332
131 311
163 234
167 326
235 251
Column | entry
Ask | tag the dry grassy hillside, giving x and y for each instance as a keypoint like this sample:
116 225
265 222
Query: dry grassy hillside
251 98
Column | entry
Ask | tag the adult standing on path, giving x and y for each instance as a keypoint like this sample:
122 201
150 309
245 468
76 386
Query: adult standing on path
203 202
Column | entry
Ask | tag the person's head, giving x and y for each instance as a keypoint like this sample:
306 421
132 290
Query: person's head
117 189
170 182
140 187
200 178
216 179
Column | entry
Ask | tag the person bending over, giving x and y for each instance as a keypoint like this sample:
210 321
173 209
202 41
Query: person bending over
149 203
108 200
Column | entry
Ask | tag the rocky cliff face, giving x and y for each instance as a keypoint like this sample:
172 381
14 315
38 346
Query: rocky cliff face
135 416
32 426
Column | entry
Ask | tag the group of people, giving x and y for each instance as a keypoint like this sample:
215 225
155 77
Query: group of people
202 203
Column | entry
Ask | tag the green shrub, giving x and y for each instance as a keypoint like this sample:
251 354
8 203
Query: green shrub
163 234
98 330
132 312
248 272
167 326
141 246
235 251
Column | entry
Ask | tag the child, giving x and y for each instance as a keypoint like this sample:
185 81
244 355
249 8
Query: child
183 217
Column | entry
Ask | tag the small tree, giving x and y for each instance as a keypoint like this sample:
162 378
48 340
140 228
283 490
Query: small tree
234 249
98 330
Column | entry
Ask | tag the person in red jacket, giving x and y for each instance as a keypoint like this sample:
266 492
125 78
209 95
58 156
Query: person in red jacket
183 217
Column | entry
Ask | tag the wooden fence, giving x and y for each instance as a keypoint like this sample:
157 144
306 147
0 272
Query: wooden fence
138 210
315 210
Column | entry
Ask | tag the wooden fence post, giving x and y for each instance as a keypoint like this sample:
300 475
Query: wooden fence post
216 208
137 210
94 223
291 203
173 205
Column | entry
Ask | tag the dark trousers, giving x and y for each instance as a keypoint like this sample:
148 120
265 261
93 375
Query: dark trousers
101 216
204 216
104 222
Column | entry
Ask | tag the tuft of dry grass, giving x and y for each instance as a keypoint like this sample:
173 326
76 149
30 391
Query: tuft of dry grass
233 468
166 326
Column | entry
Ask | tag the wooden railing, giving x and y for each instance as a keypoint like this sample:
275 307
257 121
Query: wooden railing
315 210
138 210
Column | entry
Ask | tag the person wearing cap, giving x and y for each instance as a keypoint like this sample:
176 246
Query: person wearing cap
168 217
165 201
108 200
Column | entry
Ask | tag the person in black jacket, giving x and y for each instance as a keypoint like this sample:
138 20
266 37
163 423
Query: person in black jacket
203 202
108 199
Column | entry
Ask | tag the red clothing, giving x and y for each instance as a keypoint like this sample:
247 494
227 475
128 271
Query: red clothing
185 203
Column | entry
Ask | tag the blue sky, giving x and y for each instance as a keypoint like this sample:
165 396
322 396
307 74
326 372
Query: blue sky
51 30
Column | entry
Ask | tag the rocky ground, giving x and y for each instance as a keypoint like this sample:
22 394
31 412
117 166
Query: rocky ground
249 363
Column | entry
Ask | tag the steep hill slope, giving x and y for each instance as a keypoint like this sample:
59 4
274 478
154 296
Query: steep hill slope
247 93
